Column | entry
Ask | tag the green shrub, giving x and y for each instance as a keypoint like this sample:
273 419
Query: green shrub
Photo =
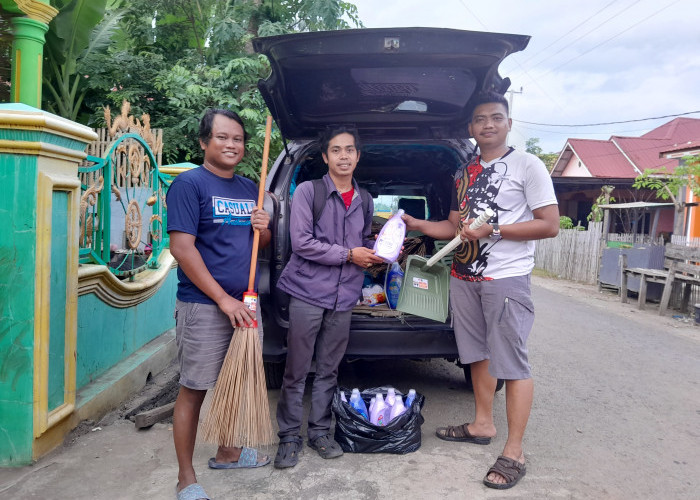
565 222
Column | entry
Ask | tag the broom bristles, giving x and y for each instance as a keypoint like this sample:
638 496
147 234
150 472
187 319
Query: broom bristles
240 414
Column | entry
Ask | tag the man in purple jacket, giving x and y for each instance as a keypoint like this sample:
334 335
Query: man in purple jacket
324 280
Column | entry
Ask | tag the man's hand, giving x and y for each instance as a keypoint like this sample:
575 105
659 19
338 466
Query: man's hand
411 222
237 312
474 234
259 219
364 257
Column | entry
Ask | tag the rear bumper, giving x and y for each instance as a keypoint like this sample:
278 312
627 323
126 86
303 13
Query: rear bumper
380 338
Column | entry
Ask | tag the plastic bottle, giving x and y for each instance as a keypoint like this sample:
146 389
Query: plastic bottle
378 414
392 284
411 396
390 239
390 396
397 409
371 404
358 403
342 397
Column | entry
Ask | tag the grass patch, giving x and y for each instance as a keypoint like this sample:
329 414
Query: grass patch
544 274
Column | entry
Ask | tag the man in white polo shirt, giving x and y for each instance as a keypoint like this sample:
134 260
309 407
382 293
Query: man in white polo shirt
490 296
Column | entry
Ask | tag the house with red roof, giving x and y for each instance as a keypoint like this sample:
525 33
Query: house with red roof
585 165
678 152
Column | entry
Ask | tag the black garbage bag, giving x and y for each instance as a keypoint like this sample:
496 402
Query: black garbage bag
355 434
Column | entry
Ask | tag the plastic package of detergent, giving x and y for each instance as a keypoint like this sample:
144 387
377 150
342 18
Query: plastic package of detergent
390 239
392 284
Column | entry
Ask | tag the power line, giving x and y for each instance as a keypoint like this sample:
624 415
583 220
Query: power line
569 132
473 15
586 34
568 32
607 40
534 80
607 123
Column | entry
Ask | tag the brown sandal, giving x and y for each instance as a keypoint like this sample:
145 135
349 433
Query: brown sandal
511 470
461 434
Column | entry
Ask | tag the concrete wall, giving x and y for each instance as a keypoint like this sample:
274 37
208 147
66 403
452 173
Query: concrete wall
70 337
108 334
575 168
18 177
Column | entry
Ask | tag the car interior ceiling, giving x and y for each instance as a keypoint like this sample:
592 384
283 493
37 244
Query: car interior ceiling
397 170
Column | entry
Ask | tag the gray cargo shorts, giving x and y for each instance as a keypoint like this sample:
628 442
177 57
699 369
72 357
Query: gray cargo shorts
492 320
202 333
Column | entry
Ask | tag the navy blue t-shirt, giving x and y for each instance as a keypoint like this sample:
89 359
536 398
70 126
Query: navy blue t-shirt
217 212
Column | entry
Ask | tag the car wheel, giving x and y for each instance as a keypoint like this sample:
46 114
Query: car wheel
274 372
468 379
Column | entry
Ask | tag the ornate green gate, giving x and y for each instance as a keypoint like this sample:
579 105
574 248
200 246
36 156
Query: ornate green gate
123 213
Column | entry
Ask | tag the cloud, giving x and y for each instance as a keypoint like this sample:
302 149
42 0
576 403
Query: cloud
630 59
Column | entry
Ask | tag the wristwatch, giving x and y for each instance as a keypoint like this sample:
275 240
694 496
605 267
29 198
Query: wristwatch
496 233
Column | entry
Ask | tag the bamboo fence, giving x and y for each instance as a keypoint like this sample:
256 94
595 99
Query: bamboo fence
572 254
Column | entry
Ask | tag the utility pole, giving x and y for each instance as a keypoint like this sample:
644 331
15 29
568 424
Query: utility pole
510 102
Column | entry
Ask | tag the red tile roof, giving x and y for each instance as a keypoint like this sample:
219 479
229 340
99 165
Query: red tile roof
688 147
618 156
603 158
644 153
676 131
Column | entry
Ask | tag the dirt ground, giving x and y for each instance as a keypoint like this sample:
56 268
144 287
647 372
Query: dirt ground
615 416
609 299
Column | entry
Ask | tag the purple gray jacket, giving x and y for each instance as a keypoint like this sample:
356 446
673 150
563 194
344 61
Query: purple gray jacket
318 271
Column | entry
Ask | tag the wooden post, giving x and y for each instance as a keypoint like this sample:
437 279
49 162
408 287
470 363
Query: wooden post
603 238
623 278
655 224
668 287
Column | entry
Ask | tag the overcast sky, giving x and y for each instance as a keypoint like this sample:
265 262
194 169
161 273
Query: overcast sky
588 62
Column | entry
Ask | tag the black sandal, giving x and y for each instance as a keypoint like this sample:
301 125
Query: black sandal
510 470
326 446
461 434
288 452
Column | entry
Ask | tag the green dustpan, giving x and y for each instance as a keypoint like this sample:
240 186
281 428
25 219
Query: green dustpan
425 290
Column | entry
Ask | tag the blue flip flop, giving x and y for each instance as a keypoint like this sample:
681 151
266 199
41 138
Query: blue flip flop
193 491
247 460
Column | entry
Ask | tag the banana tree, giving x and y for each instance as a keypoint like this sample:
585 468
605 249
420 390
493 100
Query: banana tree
79 29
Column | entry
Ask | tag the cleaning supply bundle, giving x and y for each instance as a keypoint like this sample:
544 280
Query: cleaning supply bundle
381 411
389 426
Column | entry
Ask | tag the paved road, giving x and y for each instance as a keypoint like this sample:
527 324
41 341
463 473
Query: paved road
616 415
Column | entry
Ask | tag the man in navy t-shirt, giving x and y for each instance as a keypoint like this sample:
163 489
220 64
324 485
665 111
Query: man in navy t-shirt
211 216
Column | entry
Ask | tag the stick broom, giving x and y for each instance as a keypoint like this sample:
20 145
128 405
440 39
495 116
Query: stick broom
240 414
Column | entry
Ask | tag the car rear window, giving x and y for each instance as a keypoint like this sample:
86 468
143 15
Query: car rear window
385 90
416 206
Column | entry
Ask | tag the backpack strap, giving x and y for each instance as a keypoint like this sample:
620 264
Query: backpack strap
321 195
365 197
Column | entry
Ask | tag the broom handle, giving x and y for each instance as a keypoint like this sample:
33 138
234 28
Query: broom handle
457 240
261 199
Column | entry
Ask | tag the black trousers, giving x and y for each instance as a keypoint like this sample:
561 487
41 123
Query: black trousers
327 331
